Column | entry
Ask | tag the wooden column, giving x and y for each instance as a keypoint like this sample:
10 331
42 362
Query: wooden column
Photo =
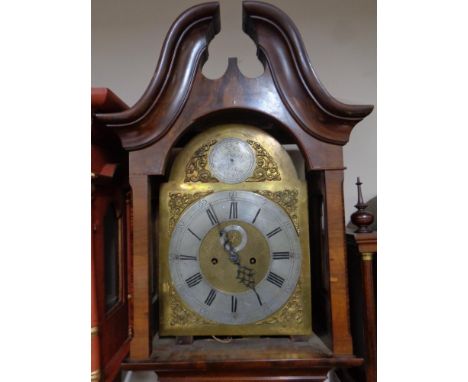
366 241
140 347
367 244
339 299
95 345
95 340
129 216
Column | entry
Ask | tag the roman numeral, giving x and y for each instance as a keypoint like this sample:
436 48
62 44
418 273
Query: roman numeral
211 297
280 255
194 234
213 217
194 280
258 297
274 232
256 216
275 279
233 211
185 257
233 304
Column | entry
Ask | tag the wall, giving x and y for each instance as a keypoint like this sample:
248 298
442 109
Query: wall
340 36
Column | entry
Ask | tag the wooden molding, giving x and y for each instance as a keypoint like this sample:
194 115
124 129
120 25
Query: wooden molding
186 45
367 242
281 47
105 100
287 68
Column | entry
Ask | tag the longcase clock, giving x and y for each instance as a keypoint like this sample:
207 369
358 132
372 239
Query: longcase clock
238 262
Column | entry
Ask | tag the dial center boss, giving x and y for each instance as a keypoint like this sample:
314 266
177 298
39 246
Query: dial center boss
248 243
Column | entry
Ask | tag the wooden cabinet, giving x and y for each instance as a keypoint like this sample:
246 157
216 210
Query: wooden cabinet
110 244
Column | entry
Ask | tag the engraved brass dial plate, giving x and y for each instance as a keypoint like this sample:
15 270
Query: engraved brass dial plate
211 229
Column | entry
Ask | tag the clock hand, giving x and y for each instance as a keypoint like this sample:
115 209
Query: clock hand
244 275
218 223
227 246
233 255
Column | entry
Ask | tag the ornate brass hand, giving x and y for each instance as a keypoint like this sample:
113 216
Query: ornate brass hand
227 246
244 275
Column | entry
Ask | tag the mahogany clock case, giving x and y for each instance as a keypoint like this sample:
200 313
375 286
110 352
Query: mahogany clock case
287 102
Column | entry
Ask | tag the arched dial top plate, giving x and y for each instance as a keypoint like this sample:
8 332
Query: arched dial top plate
234 257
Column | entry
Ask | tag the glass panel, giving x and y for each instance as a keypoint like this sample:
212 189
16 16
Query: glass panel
111 257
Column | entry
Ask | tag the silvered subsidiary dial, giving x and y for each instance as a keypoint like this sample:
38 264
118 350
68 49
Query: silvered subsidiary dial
235 257
232 160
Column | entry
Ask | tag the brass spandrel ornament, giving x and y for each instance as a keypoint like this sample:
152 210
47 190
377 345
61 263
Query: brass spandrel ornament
286 199
291 313
180 316
195 170
266 169
179 201
234 253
